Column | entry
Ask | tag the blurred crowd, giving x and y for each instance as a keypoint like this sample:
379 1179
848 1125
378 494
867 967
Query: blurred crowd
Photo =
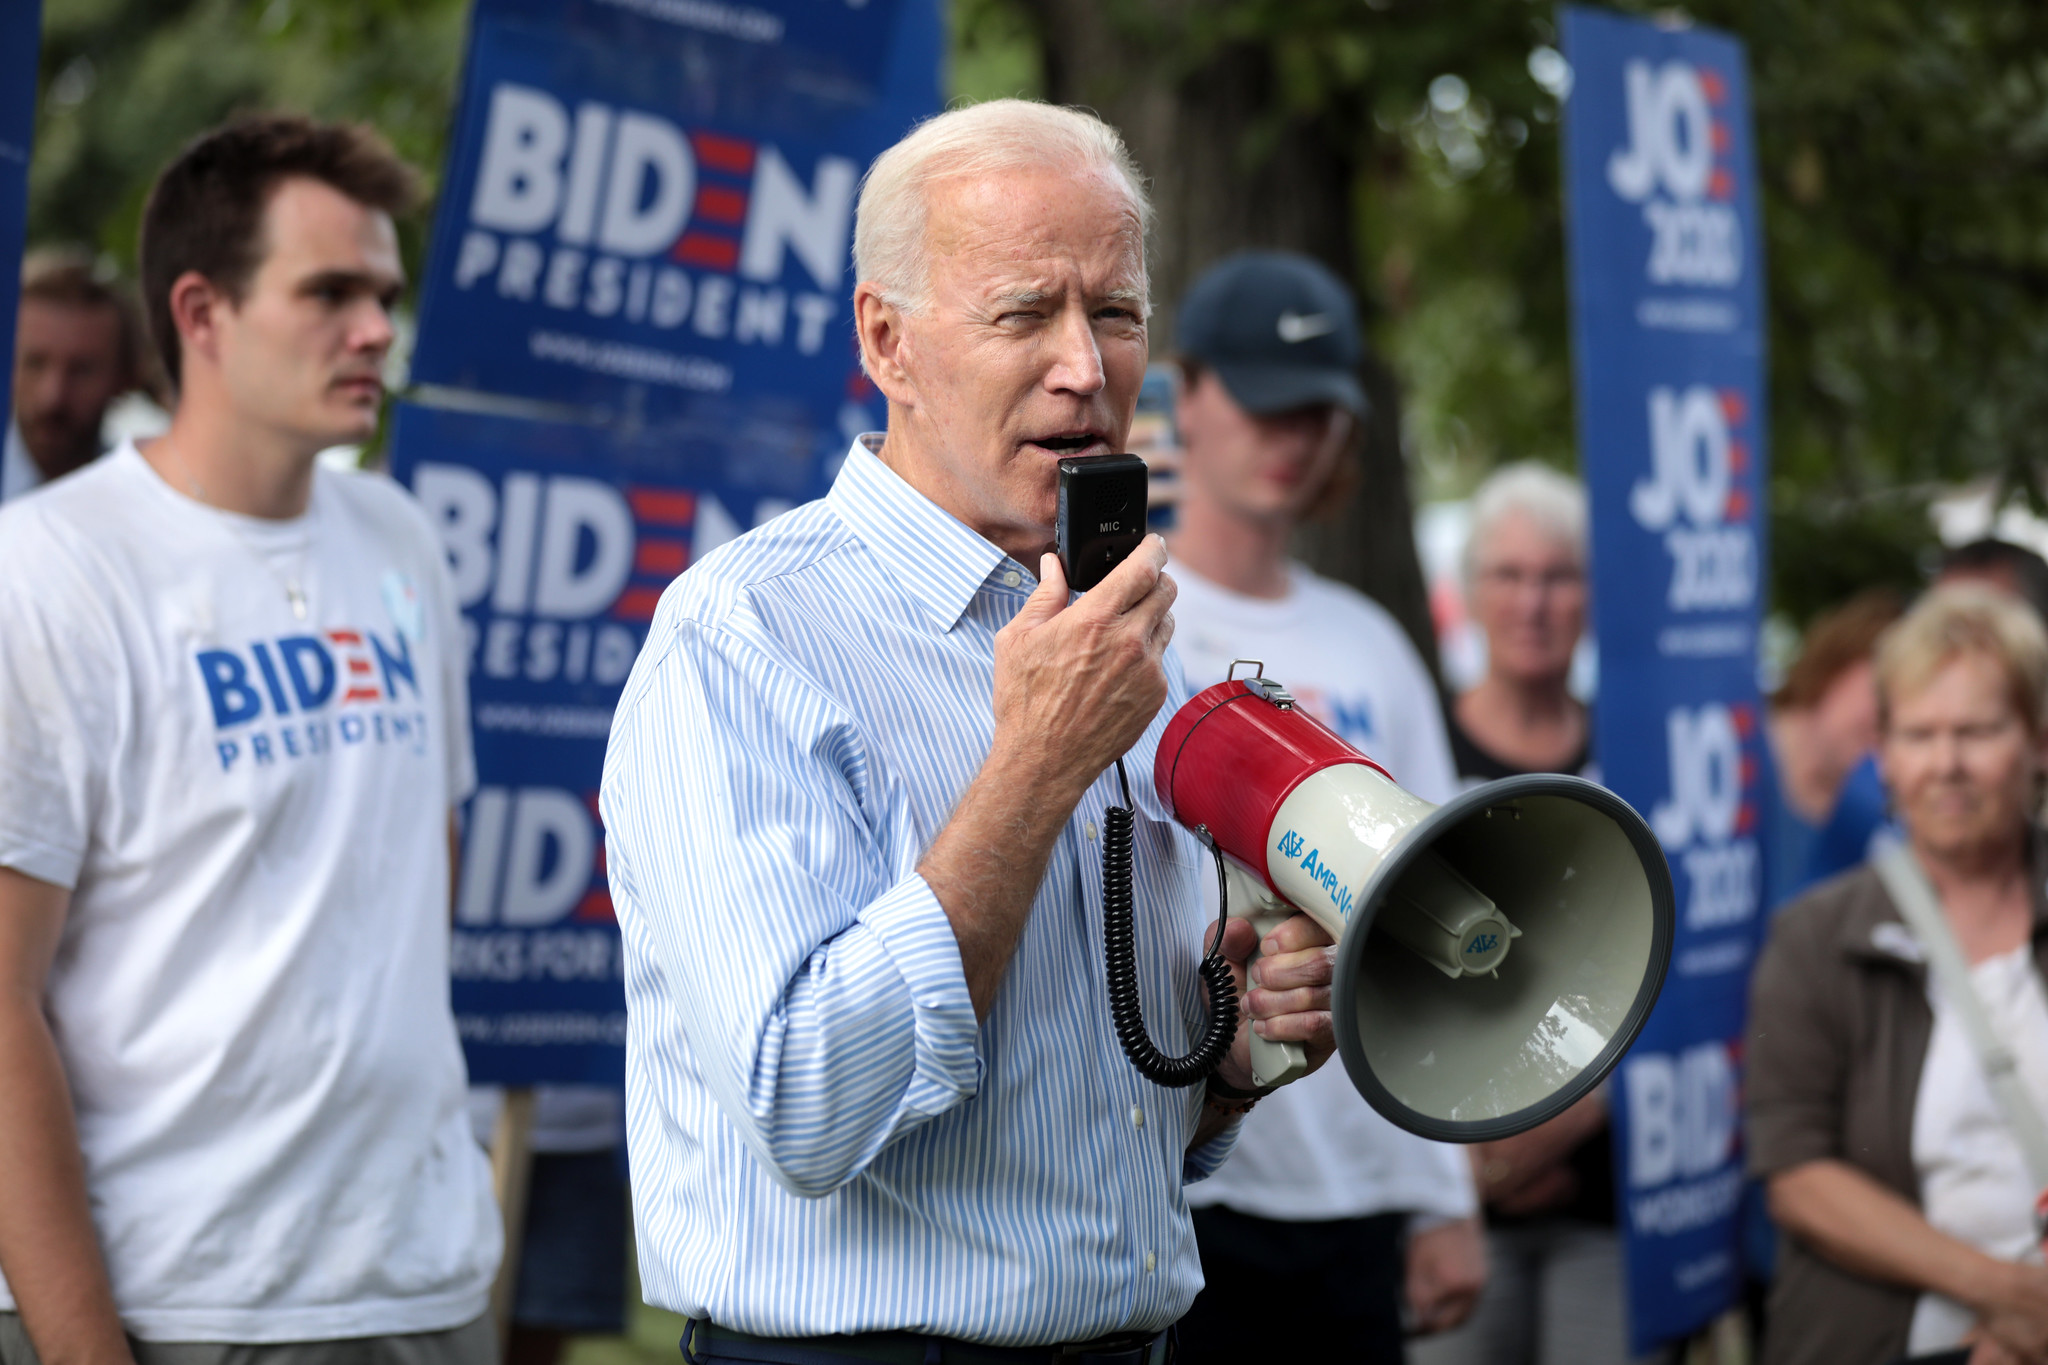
1897 1182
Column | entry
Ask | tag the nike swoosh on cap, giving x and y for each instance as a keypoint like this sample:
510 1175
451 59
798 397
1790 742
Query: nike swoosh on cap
1295 327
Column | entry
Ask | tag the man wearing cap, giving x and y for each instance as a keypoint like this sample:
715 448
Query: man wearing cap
1319 1199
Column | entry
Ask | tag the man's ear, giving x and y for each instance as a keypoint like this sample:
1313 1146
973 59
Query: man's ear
197 305
884 344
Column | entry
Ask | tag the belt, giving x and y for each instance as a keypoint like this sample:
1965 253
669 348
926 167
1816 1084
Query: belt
704 1340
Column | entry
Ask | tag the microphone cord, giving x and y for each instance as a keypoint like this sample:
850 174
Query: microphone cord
1120 951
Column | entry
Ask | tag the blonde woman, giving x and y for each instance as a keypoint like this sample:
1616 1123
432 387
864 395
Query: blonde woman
1904 1202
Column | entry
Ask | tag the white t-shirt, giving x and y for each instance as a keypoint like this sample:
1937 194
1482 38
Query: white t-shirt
250 996
1316 1150
1974 1184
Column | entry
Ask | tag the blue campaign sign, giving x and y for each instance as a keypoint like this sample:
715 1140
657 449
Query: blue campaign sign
20 41
648 209
645 225
559 539
1668 338
808 50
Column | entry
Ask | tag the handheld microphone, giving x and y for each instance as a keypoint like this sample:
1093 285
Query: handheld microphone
1101 516
1102 510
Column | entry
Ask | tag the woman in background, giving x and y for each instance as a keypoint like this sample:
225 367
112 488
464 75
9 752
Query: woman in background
1907 1207
1525 581
1554 1292
1823 731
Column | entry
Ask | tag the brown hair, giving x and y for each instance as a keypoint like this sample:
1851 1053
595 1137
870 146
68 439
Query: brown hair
1837 641
2027 571
72 277
205 211
1967 618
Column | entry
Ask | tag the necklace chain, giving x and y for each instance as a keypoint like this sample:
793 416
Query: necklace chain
294 595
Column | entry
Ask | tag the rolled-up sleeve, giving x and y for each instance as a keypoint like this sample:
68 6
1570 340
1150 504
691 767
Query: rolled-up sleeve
1797 1059
811 973
1204 1161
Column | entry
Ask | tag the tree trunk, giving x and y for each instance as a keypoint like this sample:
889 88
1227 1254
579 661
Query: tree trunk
1229 169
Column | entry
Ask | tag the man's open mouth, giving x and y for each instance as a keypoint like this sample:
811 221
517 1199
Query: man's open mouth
1074 443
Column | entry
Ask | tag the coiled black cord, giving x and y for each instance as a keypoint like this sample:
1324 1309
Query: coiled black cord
1120 950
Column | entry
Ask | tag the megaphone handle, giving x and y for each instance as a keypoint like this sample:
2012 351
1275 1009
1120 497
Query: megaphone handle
1273 1063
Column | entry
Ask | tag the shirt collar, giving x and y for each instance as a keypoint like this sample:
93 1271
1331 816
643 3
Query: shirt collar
932 555
18 471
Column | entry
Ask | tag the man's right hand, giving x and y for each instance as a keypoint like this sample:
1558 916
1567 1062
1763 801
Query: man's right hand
2014 1310
1076 686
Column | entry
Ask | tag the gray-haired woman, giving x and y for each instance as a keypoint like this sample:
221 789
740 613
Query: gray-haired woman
1555 1286
1905 1202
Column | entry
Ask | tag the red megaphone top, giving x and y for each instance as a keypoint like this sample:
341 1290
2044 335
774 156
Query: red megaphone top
1234 753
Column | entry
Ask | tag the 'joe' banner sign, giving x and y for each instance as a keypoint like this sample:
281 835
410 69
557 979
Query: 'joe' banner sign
1667 311
646 225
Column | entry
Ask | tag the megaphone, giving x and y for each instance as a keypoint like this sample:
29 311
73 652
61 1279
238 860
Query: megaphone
1496 955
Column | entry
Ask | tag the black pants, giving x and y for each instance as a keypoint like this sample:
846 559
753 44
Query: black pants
1283 1292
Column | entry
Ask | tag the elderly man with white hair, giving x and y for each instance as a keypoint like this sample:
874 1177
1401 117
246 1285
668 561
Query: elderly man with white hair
854 802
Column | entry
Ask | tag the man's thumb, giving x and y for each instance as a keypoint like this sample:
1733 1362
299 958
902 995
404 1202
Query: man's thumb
1049 597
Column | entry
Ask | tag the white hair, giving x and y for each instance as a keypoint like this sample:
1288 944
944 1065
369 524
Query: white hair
889 247
1554 501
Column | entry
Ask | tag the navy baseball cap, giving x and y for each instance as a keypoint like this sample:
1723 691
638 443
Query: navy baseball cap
1279 330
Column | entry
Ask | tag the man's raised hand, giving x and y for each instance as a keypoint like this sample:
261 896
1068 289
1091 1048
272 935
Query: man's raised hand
1076 685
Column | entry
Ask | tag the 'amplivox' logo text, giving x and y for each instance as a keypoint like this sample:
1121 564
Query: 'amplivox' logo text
307 680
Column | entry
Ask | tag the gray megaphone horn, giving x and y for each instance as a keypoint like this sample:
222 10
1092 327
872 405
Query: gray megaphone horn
1496 954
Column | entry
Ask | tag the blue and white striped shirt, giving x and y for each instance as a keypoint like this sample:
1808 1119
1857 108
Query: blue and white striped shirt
823 1139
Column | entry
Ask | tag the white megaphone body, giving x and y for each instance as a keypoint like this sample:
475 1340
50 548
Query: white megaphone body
1496 954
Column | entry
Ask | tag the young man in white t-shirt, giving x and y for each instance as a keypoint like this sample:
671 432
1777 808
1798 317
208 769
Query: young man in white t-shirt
1324 1201
233 729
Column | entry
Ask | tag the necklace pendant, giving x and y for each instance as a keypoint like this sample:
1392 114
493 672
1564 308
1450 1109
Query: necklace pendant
297 599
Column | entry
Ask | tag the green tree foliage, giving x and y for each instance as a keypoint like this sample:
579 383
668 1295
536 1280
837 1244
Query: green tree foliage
1902 149
125 83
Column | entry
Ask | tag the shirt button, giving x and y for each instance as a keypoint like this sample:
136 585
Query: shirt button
1150 1262
1137 1117
1011 578
1088 831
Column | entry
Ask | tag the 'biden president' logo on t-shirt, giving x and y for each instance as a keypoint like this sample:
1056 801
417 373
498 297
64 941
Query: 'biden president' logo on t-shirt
300 696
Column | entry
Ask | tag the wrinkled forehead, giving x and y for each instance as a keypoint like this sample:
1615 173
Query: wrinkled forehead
1037 226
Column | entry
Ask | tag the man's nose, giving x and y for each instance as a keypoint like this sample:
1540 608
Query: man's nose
1077 360
372 329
